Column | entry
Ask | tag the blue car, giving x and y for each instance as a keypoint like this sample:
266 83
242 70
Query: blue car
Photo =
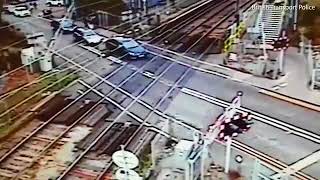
67 25
120 46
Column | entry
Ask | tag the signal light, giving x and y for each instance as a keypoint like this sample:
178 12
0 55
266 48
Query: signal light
281 43
228 130
243 123
239 124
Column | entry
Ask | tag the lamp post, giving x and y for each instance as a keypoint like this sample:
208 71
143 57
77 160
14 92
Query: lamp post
295 14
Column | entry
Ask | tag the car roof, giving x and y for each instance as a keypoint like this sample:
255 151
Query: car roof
21 7
62 19
84 29
122 39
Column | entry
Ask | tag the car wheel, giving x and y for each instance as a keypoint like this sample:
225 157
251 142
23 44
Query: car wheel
103 55
59 5
49 4
77 39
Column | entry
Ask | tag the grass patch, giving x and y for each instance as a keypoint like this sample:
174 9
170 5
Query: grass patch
145 162
9 119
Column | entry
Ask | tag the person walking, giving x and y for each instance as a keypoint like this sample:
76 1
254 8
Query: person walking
35 5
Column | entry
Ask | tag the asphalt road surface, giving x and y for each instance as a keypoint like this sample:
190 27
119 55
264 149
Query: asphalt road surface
272 141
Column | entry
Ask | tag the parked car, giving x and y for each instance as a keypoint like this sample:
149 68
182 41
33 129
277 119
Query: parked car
89 36
16 2
22 11
55 2
121 46
8 9
67 25
47 13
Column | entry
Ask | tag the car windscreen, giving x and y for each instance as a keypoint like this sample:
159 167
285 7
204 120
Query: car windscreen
130 44
89 33
21 9
67 23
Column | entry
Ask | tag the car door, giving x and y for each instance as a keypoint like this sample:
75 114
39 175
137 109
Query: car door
77 35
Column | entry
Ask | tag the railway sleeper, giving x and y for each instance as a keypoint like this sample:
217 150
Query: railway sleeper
99 113
73 113
187 43
49 109
173 38
96 130
121 140
202 46
161 36
114 129
111 140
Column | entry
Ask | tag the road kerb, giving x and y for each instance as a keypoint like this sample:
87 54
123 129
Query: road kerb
291 100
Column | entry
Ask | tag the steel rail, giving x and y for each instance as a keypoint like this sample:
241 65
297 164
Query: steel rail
248 150
7 111
181 24
119 116
173 87
6 155
18 144
135 99
257 116
56 139
110 75
138 100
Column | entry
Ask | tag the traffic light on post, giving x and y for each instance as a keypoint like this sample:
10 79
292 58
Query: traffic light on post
228 130
240 123
281 43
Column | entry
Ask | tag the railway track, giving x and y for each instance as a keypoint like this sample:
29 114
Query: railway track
29 137
275 164
44 125
143 122
202 31
128 95
174 85
51 119
59 67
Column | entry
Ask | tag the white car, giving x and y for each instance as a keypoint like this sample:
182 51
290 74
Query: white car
21 11
55 2
9 9
89 36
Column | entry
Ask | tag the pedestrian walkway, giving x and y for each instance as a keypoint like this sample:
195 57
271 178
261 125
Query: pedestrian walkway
293 84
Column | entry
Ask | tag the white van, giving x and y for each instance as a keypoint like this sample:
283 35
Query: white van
55 2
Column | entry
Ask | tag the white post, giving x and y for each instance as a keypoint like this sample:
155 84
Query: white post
145 6
203 158
256 170
310 60
281 60
313 79
191 171
228 154
302 45
295 14
187 171
264 42
153 153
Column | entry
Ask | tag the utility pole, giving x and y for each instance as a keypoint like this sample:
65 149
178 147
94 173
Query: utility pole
238 12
